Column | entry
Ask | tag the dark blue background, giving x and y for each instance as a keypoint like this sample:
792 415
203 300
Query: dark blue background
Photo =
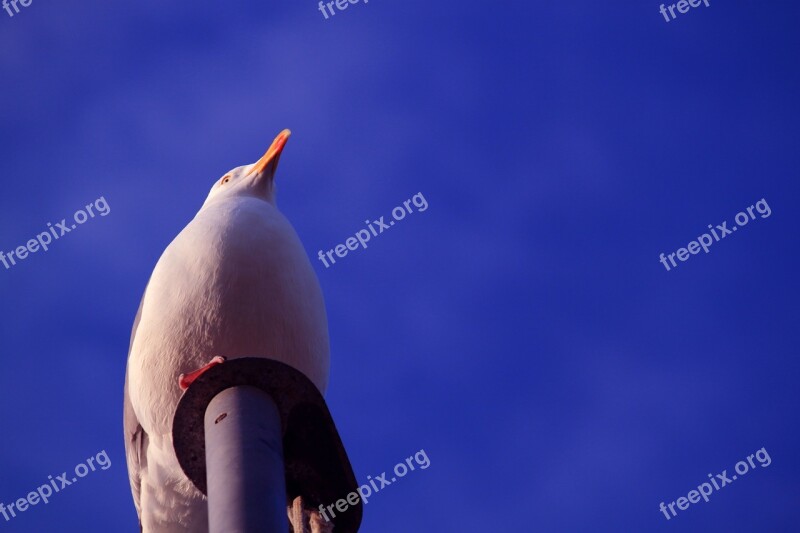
521 330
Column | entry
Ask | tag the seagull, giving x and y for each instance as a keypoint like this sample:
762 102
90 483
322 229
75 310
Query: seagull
235 282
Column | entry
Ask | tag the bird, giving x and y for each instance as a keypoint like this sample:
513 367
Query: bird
235 282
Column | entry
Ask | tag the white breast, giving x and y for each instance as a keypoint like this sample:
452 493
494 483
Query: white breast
235 282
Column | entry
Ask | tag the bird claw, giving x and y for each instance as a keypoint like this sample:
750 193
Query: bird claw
185 380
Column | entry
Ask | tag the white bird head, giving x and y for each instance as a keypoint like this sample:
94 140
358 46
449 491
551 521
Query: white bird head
256 180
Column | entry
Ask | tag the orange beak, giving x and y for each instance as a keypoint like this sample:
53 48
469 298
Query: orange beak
273 154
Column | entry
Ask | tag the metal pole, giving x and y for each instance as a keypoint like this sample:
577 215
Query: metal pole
244 461
229 431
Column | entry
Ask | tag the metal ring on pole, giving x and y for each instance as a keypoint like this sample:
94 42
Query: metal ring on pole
316 463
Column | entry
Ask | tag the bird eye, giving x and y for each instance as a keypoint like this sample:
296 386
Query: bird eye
225 180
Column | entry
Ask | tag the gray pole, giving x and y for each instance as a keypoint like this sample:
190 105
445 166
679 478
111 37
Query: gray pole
255 435
244 461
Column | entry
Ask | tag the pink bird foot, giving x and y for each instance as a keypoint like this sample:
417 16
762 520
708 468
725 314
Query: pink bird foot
185 380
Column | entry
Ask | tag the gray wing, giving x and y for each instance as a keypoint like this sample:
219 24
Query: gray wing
135 437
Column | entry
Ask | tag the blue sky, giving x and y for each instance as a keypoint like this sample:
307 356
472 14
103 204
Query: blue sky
521 330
